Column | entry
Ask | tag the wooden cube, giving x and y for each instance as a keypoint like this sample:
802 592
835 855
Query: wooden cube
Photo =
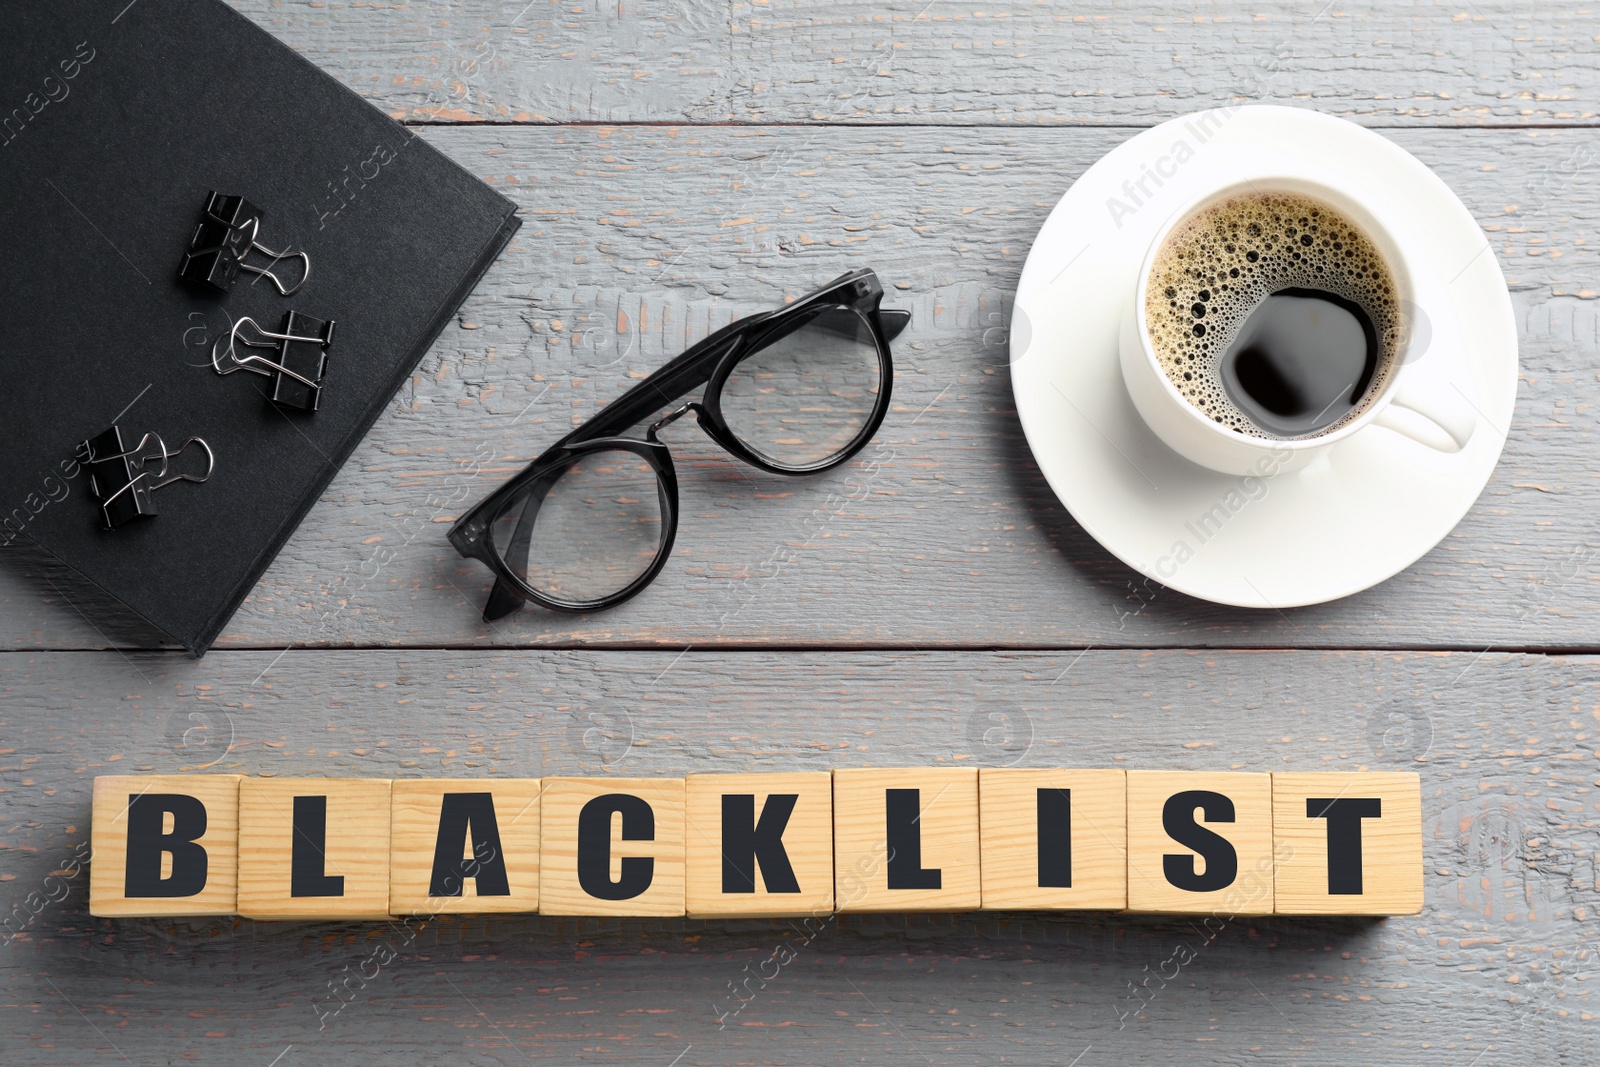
906 839
314 848
759 844
611 846
463 845
1200 842
165 845
1348 844
1053 839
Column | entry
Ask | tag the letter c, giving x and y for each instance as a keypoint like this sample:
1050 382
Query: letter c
594 846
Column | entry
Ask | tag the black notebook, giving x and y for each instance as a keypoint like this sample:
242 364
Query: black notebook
117 123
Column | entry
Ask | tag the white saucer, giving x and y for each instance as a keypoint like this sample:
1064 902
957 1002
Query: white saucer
1368 509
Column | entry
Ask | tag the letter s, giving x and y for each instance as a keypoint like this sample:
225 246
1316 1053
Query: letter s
1222 861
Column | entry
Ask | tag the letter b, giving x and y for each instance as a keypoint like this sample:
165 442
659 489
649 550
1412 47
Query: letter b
149 841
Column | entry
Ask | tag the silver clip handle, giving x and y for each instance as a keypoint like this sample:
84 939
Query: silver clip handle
278 257
264 366
166 457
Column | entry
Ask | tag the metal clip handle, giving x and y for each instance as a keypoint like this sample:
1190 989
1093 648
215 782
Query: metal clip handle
255 228
276 257
264 366
166 457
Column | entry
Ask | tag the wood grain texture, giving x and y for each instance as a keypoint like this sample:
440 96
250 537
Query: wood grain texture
1389 878
1498 965
500 876
1234 807
217 888
921 856
807 838
951 61
639 240
345 839
1096 828
646 847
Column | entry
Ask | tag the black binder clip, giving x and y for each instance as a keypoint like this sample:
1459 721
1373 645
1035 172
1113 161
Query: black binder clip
226 234
122 479
300 357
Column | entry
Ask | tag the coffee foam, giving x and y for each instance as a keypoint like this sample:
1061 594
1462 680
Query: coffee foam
1216 266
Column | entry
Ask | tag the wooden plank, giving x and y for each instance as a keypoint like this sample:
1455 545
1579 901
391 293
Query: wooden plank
1496 966
942 532
956 61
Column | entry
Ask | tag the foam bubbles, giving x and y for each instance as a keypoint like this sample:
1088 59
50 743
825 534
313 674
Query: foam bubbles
1220 263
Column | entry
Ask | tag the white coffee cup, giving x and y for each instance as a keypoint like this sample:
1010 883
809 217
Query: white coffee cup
1418 401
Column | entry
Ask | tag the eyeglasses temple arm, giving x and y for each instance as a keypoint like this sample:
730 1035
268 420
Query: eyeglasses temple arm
503 600
693 368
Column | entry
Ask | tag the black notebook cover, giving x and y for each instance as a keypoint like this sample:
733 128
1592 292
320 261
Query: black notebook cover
116 121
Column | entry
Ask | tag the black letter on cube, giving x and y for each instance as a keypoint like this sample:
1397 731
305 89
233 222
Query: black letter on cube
902 810
460 814
594 846
147 843
307 852
1177 819
1344 815
745 841
1054 817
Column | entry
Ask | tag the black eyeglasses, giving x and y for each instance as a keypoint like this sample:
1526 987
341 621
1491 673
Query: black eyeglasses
590 522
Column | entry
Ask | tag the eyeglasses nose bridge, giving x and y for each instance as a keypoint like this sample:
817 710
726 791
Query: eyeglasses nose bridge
673 416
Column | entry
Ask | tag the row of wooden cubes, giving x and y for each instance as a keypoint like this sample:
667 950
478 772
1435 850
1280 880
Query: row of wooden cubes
780 844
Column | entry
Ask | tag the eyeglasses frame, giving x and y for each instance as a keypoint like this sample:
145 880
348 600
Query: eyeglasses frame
708 362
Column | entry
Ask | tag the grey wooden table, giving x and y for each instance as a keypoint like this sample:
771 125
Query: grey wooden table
680 163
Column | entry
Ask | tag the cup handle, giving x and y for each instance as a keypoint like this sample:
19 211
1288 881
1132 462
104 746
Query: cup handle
1432 413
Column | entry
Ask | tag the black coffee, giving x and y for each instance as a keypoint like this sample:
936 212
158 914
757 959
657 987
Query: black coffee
1274 314
1301 362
